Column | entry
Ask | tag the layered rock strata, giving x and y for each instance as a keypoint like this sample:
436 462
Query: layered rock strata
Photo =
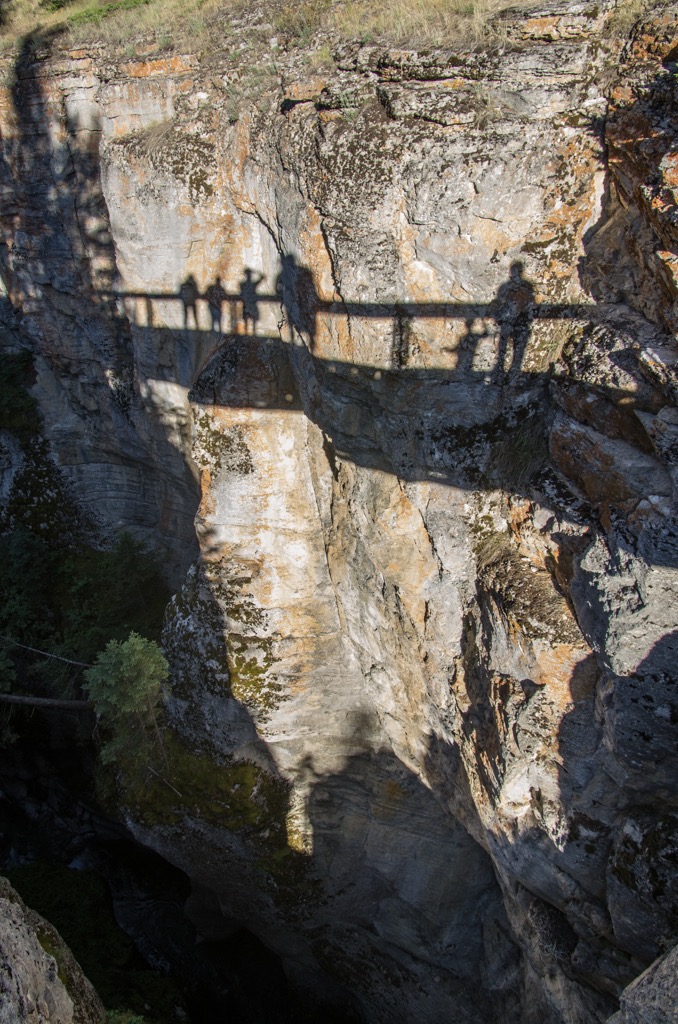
393 346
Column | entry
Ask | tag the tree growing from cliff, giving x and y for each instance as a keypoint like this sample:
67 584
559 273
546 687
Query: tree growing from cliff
125 687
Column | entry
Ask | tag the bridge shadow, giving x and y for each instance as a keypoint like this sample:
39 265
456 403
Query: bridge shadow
409 422
481 424
479 420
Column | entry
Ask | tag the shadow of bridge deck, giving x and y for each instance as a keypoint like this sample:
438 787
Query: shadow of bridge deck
417 423
497 309
246 369
477 425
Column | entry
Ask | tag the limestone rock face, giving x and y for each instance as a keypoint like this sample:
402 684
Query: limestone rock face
393 349
36 986
651 998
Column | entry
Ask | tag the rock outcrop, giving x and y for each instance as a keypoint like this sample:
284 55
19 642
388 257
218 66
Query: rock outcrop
651 998
40 980
394 348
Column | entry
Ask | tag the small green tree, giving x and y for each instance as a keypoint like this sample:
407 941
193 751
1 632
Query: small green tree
125 686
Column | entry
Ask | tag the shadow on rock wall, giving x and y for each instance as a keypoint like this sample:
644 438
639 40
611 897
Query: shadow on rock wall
411 897
408 917
58 261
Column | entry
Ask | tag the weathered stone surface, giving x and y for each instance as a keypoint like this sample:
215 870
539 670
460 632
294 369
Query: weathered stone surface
651 998
40 980
425 445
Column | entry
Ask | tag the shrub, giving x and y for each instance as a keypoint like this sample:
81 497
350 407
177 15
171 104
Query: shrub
125 686
72 601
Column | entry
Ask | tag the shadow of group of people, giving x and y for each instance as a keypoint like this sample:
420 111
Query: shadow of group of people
244 304
512 309
294 292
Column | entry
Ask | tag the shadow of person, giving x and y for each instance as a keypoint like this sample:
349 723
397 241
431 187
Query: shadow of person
469 344
189 294
514 309
216 296
299 299
250 300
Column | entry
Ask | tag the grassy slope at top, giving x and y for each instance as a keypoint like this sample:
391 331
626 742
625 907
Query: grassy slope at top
206 26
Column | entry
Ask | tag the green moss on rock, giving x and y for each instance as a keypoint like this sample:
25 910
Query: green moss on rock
177 783
217 639
221 449
249 661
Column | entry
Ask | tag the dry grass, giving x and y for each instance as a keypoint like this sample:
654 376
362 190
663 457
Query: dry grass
411 23
628 12
422 22
195 25
209 26
183 25
172 24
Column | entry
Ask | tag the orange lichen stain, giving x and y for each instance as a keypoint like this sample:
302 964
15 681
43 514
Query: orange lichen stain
207 505
161 66
669 167
83 56
316 255
234 168
541 28
307 90
568 672
452 83
659 41
667 257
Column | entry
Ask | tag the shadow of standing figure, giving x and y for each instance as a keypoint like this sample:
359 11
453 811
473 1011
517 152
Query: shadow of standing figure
216 296
298 297
468 346
250 300
189 294
514 309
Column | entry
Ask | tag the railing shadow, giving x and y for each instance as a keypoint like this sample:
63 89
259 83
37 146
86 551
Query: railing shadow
478 422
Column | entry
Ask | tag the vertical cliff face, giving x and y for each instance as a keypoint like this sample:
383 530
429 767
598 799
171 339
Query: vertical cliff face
393 349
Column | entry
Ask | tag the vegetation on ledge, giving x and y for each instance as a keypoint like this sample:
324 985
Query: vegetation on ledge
210 25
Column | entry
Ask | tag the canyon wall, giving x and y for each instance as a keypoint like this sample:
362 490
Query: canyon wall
381 352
